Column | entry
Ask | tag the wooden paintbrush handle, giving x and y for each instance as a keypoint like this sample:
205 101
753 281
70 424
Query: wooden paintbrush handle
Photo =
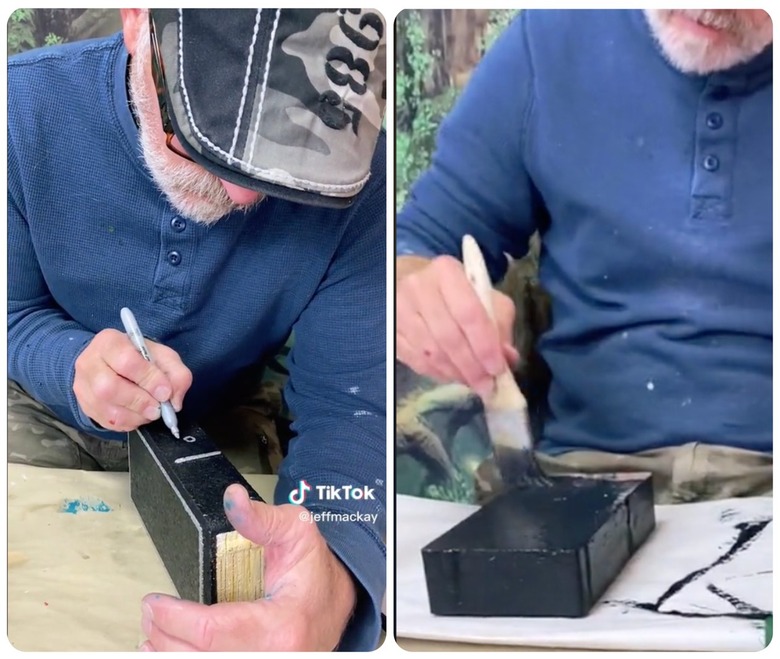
476 271
507 394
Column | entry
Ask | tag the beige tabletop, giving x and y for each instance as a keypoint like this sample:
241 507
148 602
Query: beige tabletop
80 560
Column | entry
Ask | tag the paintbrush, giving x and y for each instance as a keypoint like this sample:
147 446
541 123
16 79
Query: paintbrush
506 410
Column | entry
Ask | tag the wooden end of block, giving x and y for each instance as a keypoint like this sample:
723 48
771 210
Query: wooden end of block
239 568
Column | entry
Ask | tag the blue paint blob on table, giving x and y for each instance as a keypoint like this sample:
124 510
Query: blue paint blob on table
74 506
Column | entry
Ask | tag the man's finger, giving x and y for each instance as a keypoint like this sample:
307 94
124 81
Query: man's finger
105 398
410 354
129 363
453 350
111 390
118 419
205 628
159 641
512 356
180 377
419 349
479 330
168 620
262 523
504 311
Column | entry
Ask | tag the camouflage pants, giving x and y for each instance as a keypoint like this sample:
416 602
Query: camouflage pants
249 434
681 474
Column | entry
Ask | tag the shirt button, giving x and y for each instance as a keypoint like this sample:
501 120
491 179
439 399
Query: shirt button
714 120
711 163
174 258
720 93
178 224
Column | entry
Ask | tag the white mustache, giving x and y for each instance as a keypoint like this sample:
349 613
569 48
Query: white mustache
714 18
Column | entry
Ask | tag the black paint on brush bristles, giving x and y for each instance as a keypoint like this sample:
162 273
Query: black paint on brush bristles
519 468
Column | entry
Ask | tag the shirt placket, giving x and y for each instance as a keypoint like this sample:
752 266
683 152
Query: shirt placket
178 251
716 141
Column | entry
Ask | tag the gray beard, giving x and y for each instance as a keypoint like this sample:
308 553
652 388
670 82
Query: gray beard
191 190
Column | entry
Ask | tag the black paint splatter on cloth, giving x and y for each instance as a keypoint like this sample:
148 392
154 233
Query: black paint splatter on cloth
747 533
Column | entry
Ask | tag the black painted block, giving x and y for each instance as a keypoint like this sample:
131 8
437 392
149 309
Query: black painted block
548 551
177 486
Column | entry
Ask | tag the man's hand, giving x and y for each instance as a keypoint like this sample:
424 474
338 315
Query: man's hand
442 329
309 597
119 390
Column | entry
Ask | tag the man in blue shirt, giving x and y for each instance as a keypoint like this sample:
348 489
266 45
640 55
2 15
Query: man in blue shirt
223 176
638 145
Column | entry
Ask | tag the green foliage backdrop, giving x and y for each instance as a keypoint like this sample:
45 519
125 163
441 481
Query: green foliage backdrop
34 28
419 110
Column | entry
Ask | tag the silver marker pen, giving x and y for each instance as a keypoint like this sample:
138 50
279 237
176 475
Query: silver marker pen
134 332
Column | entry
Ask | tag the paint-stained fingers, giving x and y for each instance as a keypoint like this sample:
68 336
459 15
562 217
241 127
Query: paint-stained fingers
434 344
104 396
111 417
452 348
445 333
419 360
114 348
417 347
264 524
481 333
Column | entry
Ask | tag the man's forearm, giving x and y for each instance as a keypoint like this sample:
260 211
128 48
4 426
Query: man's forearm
42 347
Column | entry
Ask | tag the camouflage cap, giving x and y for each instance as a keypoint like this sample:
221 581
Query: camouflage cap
285 101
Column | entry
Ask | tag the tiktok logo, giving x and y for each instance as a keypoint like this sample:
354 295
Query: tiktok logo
298 495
